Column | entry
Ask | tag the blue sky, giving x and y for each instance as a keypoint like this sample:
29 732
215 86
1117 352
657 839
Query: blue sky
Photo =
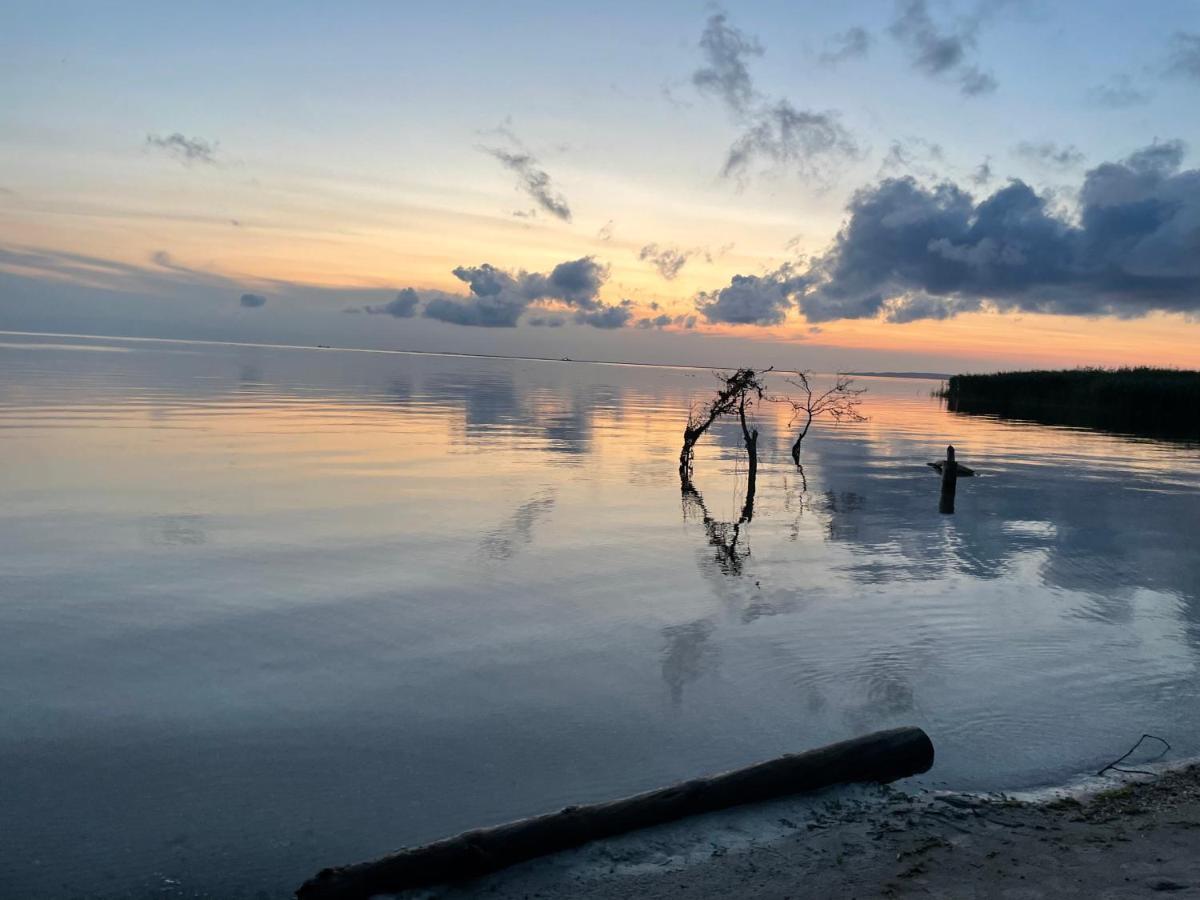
355 148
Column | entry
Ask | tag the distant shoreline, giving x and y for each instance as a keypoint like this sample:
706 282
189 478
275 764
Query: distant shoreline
448 353
328 348
1145 402
925 376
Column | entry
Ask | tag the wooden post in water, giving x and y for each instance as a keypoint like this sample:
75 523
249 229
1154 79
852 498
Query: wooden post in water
949 482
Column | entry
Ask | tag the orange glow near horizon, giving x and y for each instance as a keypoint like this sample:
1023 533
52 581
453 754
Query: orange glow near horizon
421 256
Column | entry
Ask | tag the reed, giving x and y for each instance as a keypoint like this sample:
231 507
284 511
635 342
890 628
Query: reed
1163 403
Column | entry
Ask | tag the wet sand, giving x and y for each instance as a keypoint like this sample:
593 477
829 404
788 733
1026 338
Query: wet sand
1139 840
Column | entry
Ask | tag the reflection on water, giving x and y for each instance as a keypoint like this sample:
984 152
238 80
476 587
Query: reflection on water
723 537
248 589
518 529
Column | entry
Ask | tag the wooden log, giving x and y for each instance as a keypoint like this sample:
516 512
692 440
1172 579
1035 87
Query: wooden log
949 482
881 757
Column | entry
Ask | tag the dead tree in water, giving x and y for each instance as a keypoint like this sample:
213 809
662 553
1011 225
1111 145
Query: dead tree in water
839 402
737 394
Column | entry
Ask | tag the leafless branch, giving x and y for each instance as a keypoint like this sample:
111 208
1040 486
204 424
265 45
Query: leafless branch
840 403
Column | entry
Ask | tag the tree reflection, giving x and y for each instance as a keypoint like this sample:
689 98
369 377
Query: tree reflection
726 538
687 654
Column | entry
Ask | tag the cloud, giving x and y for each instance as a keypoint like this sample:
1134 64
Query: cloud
186 150
941 53
668 260
1183 56
753 299
534 180
789 136
575 283
1049 154
606 316
915 155
498 298
853 43
726 51
908 251
403 307
982 173
545 321
480 312
1119 92
924 306
772 130
659 321
252 301
606 231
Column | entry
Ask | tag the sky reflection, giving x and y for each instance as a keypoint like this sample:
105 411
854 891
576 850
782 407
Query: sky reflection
459 590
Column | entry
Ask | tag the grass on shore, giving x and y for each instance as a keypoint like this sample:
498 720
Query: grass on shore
1142 400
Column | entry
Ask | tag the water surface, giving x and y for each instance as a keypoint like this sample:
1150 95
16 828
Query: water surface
267 609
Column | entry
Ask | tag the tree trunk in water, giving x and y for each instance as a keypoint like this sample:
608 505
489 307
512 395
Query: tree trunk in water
881 757
800 440
690 436
751 475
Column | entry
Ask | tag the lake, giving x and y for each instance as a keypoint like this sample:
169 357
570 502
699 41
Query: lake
270 609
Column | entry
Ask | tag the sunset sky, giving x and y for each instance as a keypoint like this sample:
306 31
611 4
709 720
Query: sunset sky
917 185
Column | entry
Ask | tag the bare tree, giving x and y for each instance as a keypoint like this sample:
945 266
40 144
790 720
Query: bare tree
840 403
738 394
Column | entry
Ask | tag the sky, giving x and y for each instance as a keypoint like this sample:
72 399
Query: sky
903 184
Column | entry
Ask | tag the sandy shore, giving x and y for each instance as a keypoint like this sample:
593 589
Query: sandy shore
1139 840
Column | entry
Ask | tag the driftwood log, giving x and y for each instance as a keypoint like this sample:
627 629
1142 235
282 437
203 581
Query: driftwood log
881 757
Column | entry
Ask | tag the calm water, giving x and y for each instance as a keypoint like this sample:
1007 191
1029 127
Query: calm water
268 609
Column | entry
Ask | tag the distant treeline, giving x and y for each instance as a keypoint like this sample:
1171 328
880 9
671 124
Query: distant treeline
1163 403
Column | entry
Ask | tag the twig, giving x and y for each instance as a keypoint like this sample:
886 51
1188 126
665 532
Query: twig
1115 764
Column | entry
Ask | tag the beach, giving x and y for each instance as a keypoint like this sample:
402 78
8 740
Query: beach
1142 839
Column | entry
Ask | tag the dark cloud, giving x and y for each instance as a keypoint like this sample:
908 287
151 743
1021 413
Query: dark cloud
923 306
1049 154
659 321
726 75
575 283
545 321
252 301
1119 92
534 180
615 315
668 260
1183 57
941 52
606 231
852 43
403 307
488 311
498 298
785 135
907 251
772 130
753 299
185 149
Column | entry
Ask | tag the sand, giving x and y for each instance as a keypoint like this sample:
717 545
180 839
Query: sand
1142 839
